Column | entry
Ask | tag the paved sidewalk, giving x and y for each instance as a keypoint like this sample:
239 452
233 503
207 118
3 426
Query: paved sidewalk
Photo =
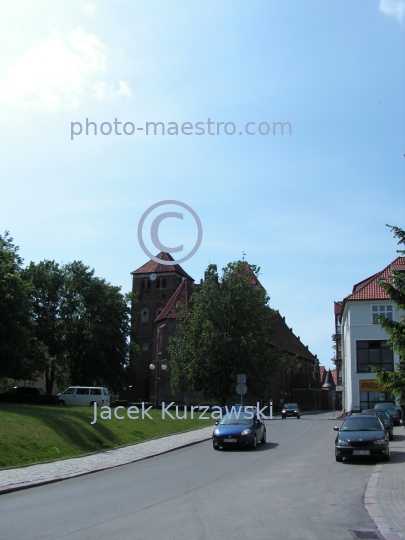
45 473
385 494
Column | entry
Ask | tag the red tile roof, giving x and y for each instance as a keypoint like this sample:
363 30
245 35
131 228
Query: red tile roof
370 289
182 294
322 374
153 267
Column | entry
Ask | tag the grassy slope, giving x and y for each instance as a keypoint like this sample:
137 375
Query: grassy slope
32 433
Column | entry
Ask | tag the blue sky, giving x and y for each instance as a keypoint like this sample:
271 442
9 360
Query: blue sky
309 208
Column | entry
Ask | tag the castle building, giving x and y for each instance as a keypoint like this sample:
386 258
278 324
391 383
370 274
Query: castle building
159 288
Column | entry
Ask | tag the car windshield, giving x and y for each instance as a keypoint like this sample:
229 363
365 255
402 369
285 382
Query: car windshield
361 424
291 406
237 419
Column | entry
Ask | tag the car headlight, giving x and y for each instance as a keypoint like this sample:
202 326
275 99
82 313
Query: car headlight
216 431
283 411
246 432
295 412
379 442
342 443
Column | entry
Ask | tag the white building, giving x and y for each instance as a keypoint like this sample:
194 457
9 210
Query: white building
364 342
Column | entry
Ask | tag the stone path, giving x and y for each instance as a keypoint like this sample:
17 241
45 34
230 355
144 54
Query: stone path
385 494
44 473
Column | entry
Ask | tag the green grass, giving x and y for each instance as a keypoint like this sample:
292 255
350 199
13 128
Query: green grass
36 433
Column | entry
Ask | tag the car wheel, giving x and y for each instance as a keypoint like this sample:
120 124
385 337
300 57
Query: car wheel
338 458
264 437
282 417
254 443
391 437
298 417
215 447
61 403
387 457
92 404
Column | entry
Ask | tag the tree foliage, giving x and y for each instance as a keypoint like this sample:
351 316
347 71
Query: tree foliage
225 331
394 381
96 321
19 351
61 320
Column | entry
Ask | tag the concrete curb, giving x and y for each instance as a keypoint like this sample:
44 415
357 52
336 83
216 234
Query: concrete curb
42 482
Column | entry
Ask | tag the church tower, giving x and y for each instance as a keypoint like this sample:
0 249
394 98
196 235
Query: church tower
155 284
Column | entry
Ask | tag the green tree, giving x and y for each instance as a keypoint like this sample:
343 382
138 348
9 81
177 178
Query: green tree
47 281
394 381
225 331
96 328
18 348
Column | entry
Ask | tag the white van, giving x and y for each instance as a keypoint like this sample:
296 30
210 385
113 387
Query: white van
84 395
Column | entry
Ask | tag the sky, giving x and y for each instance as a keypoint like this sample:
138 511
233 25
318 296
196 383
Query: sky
309 206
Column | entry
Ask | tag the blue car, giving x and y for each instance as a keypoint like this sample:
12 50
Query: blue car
238 429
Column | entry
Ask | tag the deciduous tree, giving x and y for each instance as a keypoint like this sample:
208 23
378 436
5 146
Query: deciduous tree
394 381
17 346
225 331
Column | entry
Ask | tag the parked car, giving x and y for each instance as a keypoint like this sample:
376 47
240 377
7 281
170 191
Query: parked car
238 430
290 409
26 390
361 435
391 409
385 419
84 395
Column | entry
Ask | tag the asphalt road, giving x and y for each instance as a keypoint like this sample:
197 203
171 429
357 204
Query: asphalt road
289 489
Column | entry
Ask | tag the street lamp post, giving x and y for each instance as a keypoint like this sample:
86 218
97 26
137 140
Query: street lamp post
157 365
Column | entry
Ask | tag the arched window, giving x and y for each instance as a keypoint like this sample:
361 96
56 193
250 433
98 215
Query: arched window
159 311
144 315
161 283
145 284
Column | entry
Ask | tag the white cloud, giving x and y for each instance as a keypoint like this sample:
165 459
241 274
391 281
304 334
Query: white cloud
105 92
59 73
394 8
89 9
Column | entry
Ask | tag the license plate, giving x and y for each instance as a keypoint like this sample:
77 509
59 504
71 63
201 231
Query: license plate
230 440
361 452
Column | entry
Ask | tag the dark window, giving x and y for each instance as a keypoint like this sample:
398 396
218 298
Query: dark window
95 391
82 391
337 324
382 311
375 353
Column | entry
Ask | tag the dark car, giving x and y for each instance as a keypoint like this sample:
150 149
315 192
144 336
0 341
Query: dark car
385 419
290 409
391 409
361 435
26 390
240 429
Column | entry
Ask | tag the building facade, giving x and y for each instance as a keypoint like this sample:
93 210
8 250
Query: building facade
364 343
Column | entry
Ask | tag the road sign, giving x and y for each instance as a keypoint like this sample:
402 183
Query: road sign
241 378
241 389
